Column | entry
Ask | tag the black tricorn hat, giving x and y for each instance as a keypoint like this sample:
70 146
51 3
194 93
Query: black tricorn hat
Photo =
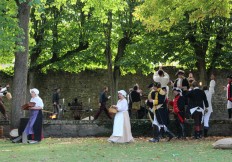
177 89
157 84
180 72
150 85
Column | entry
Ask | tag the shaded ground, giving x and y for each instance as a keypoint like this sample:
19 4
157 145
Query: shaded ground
98 149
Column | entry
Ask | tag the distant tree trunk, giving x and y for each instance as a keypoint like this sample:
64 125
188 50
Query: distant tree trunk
108 55
123 42
21 65
222 34
200 49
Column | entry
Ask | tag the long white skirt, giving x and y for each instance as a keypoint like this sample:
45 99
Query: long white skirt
121 129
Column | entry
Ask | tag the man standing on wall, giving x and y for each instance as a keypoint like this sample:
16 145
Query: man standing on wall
102 103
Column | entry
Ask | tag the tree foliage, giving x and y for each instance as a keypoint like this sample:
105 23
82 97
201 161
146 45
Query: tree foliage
160 14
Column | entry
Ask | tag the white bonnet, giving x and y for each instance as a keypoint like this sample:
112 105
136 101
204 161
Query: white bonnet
34 90
122 92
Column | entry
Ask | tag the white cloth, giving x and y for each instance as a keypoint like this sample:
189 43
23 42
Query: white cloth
212 84
229 103
119 119
2 90
38 101
206 119
36 91
199 109
122 105
179 82
208 94
209 99
162 80
126 136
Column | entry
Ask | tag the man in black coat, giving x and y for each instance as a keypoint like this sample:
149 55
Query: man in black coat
197 104
102 103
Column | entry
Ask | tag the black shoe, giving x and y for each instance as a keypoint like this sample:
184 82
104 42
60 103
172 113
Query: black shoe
17 140
170 135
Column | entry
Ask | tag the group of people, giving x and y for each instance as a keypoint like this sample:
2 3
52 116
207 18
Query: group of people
188 99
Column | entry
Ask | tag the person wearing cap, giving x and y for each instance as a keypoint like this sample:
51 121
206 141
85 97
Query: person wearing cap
163 78
157 105
178 105
181 82
102 103
122 127
228 89
34 125
197 104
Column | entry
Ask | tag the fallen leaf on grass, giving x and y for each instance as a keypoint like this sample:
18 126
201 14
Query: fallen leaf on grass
5 150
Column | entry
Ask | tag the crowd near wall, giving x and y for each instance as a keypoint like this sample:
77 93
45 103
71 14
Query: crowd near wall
87 85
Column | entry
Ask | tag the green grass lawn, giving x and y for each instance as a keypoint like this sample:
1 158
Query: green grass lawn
98 149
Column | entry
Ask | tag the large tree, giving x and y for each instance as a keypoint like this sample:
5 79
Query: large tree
21 63
203 26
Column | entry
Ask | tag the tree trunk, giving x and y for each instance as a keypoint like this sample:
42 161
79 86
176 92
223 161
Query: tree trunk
108 55
21 65
200 49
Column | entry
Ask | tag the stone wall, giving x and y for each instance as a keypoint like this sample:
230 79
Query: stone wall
88 84
81 128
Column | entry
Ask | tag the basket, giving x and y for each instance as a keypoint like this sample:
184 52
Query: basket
28 105
8 96
112 110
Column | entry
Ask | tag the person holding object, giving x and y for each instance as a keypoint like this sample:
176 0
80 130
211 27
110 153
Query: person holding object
34 125
102 104
3 92
122 127
163 78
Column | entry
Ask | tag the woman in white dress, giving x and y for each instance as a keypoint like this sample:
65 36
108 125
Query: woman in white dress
122 127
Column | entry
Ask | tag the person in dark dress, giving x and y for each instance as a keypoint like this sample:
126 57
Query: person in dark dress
102 103
197 104
33 132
